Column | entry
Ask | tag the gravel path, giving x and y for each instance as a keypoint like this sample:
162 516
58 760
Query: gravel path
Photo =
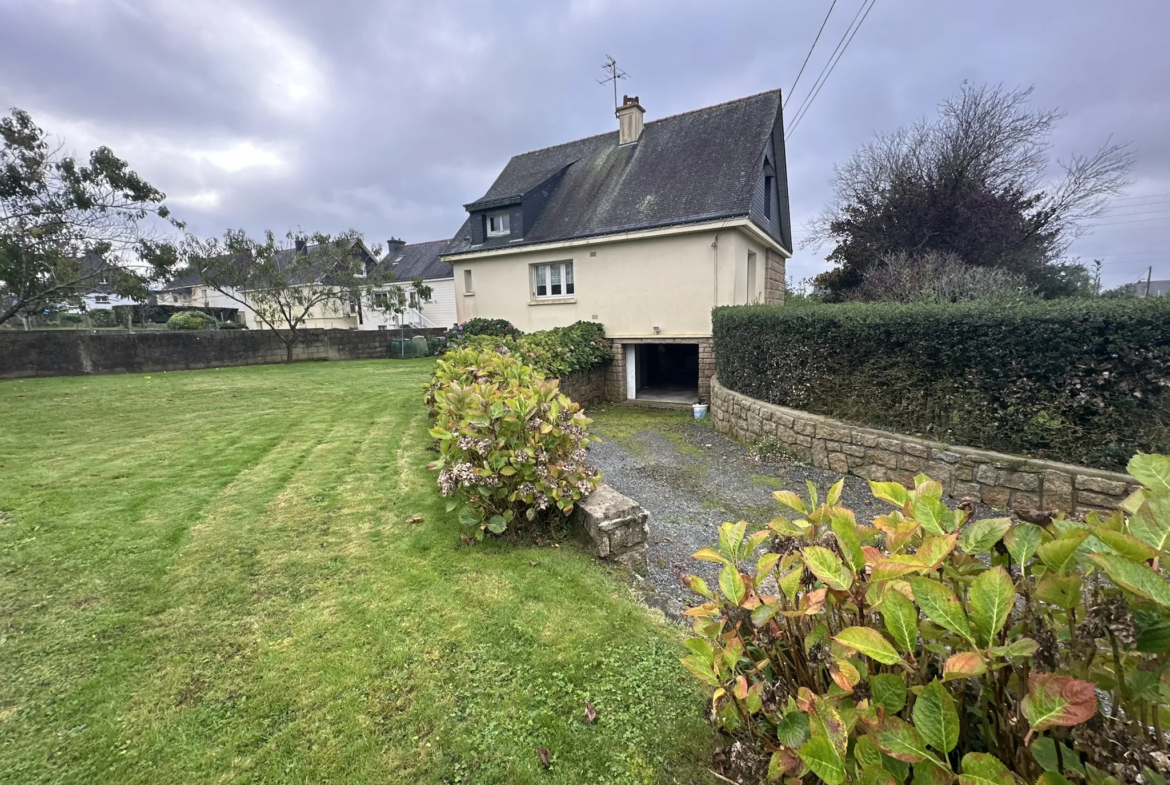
690 479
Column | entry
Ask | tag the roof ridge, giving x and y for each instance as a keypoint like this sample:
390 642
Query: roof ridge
427 242
652 122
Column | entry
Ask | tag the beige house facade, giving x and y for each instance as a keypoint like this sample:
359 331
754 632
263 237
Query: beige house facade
630 230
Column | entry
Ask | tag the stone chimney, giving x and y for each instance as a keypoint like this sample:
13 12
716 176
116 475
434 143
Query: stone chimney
630 120
302 245
393 246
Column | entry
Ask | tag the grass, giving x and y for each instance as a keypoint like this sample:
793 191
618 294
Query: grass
212 576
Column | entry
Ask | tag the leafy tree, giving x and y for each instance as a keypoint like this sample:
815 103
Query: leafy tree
284 282
67 224
972 182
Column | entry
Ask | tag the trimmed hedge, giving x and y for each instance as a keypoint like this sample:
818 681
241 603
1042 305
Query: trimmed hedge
1080 381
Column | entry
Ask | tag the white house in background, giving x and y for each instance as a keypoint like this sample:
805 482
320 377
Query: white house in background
186 291
403 263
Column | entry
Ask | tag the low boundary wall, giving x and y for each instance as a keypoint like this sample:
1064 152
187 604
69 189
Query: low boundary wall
78 352
585 387
1000 481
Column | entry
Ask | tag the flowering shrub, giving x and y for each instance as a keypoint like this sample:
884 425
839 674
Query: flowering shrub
478 326
920 648
512 447
191 320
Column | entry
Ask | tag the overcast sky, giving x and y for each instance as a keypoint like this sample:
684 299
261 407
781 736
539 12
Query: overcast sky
389 116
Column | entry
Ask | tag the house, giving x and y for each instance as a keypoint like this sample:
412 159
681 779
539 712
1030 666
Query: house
187 292
1150 288
644 229
97 286
402 264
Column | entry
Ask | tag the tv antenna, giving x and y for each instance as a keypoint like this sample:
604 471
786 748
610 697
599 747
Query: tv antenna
615 73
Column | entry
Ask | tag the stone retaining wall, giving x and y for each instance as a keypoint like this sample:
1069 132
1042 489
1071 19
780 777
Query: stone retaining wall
1000 481
585 387
77 352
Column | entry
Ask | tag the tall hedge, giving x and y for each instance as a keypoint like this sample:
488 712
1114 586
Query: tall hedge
1080 381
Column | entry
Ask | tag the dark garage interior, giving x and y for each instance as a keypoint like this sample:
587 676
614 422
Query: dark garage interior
668 372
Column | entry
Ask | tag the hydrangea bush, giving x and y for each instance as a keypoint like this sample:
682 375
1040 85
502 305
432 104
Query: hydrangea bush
921 647
511 445
557 352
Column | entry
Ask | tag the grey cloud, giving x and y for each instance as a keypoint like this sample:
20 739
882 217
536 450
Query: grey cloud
388 116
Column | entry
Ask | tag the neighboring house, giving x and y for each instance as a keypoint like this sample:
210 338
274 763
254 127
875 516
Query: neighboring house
1151 288
644 229
186 291
405 262
100 294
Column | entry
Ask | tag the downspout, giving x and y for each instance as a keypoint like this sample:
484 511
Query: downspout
715 254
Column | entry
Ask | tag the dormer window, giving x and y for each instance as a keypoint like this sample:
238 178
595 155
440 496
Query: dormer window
497 224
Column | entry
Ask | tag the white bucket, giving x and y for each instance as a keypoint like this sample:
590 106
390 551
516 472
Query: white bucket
700 410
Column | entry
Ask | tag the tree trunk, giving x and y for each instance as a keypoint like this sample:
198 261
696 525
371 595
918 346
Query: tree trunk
11 312
288 346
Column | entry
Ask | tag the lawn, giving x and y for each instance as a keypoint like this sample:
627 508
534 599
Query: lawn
219 576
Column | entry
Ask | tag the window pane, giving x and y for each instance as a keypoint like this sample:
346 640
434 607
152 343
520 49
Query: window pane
541 279
568 278
556 278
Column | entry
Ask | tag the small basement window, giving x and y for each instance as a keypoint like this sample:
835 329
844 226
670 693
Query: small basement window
553 280
497 224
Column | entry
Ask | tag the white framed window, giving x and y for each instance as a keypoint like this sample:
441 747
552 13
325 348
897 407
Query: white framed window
101 298
497 224
467 287
553 280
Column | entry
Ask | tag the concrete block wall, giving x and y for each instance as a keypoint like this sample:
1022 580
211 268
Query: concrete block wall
998 480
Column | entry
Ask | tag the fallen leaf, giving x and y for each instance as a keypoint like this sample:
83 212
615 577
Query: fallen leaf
468 540
533 564
590 713
545 759
415 519
668 539
556 545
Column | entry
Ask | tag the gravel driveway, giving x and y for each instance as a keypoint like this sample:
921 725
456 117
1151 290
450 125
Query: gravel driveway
690 479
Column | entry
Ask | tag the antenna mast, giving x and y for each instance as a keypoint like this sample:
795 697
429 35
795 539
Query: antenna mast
615 73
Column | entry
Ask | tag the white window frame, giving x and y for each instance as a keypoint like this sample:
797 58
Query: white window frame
504 228
564 268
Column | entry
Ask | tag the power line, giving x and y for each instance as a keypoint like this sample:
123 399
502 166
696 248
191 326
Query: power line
831 65
1165 220
1140 196
807 56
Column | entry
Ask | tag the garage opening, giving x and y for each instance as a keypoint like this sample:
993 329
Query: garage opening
666 372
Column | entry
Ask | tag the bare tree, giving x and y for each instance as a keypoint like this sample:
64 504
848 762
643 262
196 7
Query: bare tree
286 283
396 301
973 182
67 224
933 277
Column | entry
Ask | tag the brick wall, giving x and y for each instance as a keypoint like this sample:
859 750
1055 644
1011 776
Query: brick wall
774 285
1000 481
77 352
615 375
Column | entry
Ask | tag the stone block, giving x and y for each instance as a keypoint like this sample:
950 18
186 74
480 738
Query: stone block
1026 499
872 472
1057 491
910 463
961 489
995 498
854 450
883 458
945 456
1093 499
937 470
965 472
915 449
834 433
865 439
1023 481
987 474
890 445
616 525
839 462
805 427
820 454
1101 485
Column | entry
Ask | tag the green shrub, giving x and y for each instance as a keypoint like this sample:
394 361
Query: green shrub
232 326
555 353
70 318
497 327
191 320
1081 381
101 317
512 447
962 649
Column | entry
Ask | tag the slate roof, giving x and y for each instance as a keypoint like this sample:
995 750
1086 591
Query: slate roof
417 259
184 279
698 166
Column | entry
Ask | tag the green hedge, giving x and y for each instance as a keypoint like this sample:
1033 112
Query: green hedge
1081 381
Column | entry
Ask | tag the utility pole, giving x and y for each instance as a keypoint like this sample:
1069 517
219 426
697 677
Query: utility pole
615 73
1149 275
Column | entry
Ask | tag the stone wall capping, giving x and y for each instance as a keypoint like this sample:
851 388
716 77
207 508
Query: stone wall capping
616 525
998 480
